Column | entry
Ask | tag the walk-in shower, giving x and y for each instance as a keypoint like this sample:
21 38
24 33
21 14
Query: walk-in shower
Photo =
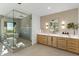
16 30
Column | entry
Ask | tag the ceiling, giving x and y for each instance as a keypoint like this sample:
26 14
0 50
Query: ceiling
36 8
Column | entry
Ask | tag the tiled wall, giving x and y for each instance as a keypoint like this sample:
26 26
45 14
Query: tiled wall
23 26
18 24
0 23
67 16
25 30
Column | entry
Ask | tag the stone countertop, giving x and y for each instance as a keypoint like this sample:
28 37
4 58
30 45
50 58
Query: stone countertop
61 35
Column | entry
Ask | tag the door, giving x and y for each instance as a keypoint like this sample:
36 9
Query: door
73 45
49 41
54 41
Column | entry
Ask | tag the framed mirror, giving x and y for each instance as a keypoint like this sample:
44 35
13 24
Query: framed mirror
54 26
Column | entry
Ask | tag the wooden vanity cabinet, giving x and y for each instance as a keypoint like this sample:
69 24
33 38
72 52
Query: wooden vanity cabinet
54 41
42 39
62 43
73 45
69 44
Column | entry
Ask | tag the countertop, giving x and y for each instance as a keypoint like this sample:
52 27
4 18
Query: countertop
61 35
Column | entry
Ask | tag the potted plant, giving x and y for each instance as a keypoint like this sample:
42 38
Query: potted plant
72 26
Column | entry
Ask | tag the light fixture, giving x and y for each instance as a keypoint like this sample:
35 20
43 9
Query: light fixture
63 24
19 3
46 27
63 27
46 24
49 8
20 16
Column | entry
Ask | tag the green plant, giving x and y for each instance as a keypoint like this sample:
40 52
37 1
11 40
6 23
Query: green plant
72 26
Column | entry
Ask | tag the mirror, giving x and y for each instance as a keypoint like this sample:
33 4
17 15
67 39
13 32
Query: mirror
54 26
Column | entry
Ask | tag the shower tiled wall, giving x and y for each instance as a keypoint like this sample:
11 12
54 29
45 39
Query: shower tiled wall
25 29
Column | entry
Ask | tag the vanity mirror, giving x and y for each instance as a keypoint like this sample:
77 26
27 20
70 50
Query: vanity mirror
54 26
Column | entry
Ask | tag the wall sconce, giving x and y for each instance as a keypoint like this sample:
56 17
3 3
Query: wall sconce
63 25
63 22
46 25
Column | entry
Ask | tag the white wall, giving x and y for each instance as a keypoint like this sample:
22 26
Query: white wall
78 20
35 27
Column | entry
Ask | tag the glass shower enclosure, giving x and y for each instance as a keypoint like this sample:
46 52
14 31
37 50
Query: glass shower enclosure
12 29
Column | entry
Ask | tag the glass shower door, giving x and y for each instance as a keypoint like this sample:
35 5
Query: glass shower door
10 34
8 30
16 30
11 30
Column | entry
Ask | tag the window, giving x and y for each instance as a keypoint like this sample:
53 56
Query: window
9 26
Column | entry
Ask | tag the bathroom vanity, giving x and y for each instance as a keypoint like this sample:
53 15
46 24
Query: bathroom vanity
64 42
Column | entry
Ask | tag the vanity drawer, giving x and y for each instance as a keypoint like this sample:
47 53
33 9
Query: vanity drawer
73 42
73 49
72 46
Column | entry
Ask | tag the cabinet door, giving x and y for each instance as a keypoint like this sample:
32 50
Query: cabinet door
42 39
61 43
39 39
54 41
49 41
73 45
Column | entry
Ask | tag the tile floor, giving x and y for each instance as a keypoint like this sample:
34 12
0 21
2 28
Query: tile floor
26 42
41 50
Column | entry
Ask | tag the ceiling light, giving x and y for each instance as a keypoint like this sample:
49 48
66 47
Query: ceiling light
20 16
49 7
19 3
